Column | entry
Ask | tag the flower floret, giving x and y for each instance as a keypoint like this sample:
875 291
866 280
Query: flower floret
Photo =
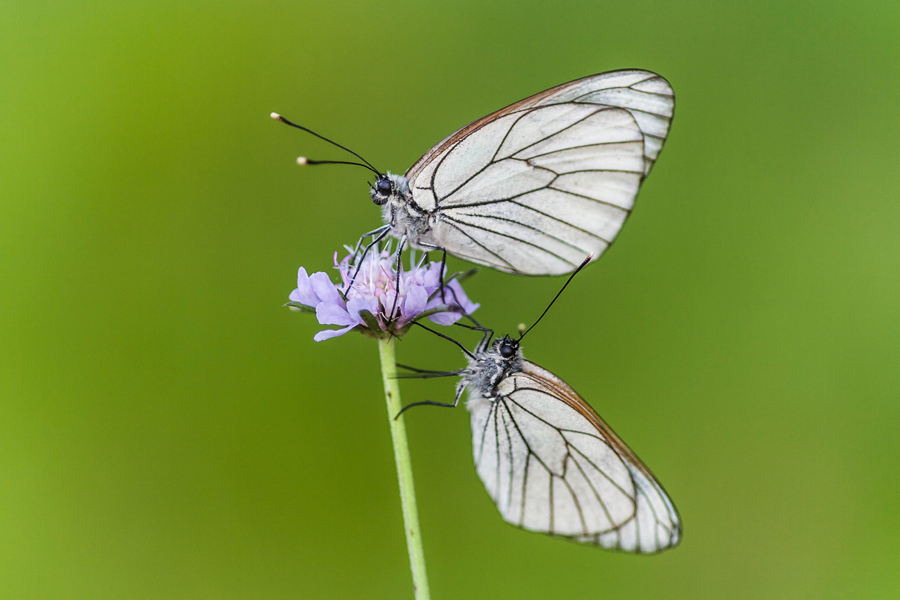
380 300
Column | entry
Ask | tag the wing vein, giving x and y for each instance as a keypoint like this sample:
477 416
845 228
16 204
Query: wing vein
596 494
512 237
524 487
484 431
567 148
511 465
505 135
630 109
557 219
544 233
547 137
483 247
574 495
606 476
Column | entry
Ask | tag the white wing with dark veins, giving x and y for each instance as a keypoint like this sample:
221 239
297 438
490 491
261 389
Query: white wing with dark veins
539 185
553 466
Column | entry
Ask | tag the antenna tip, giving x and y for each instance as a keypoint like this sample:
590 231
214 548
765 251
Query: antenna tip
302 160
275 116
522 328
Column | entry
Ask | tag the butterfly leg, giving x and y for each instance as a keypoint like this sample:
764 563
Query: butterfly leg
488 334
364 236
459 393
397 269
426 373
478 326
444 280
443 271
443 266
446 337
379 234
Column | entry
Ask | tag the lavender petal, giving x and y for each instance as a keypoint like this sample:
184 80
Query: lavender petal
416 299
304 293
356 305
329 314
445 318
325 289
459 296
327 334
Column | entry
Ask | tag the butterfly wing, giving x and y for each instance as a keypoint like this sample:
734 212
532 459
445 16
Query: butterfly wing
552 465
535 187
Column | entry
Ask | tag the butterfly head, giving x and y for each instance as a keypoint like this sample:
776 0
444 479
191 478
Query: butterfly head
388 186
490 366
507 348
382 190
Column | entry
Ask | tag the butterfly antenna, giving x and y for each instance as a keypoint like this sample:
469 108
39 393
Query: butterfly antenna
367 164
302 160
558 294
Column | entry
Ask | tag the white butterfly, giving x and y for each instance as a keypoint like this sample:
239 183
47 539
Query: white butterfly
536 186
551 464
548 460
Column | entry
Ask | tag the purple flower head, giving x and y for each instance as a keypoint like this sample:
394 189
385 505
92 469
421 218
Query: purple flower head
381 300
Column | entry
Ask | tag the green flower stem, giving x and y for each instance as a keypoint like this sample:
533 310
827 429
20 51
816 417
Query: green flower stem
404 469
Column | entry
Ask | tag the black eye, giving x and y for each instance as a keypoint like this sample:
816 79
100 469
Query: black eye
384 187
506 351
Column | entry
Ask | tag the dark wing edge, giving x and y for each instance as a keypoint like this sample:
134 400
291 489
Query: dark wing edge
576 402
456 137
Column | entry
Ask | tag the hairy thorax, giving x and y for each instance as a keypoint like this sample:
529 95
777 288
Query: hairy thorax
406 218
487 370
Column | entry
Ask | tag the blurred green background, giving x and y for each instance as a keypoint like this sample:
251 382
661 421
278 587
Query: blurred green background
169 430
